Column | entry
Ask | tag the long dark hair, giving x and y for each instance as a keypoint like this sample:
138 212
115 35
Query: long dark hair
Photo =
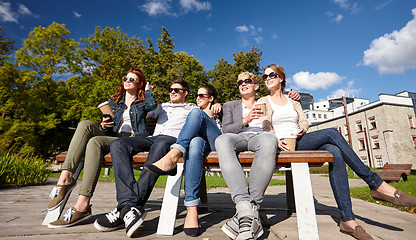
141 94
211 92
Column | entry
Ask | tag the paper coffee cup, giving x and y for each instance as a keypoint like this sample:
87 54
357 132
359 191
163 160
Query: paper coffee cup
105 108
262 106
291 143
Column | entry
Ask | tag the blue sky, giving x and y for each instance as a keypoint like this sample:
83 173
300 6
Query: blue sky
327 47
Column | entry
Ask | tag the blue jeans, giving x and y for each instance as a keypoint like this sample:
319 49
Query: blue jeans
331 140
193 170
264 146
128 190
198 124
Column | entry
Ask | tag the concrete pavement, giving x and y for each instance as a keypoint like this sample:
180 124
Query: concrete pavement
22 211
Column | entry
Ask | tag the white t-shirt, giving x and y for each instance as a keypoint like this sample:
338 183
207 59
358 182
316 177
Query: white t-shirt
126 125
255 124
284 119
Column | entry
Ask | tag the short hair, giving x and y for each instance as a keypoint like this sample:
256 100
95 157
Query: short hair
183 83
245 75
282 74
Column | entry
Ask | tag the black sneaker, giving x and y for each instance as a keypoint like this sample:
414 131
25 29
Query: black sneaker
133 217
110 222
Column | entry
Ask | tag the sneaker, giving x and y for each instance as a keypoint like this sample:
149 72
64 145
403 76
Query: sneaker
133 217
248 221
231 227
71 217
110 222
59 194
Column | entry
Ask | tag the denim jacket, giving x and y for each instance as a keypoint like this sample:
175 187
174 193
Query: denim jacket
138 113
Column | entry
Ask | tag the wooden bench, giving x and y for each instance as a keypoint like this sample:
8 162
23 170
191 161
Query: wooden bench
395 172
298 187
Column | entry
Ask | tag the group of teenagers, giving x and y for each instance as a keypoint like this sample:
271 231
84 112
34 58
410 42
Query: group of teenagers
191 131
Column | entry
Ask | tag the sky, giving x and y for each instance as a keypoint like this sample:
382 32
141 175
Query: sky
328 48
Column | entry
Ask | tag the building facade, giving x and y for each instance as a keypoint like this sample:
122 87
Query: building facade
382 132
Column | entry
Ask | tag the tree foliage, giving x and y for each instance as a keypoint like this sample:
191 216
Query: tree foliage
57 81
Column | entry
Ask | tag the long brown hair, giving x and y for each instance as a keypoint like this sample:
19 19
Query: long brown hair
141 94
279 70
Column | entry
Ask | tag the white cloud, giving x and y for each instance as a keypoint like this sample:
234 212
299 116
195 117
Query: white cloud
394 52
157 7
23 10
382 5
338 18
6 14
146 28
164 7
249 31
77 15
242 28
274 36
313 81
209 29
342 3
348 91
189 5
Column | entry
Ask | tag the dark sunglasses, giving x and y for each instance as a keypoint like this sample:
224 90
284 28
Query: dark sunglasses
201 95
176 90
246 81
129 79
271 75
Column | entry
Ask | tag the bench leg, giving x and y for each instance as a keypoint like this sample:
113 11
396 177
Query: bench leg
53 215
169 208
290 197
305 208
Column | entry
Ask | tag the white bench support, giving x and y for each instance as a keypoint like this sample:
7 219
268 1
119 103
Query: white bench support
305 208
169 208
53 215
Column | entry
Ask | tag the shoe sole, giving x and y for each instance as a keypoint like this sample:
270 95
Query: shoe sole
228 232
64 199
106 229
136 226
70 224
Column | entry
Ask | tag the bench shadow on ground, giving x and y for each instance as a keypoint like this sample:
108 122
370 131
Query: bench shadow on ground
220 208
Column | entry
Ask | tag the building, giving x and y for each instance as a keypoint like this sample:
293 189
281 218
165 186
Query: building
382 132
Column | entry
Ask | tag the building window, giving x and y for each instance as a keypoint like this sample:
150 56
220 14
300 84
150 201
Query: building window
361 144
376 143
359 126
379 161
325 116
411 121
314 115
307 116
319 116
414 140
372 122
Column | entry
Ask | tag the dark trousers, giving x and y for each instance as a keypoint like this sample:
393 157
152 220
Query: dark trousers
129 191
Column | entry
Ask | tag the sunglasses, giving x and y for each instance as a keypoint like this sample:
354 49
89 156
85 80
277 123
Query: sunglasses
271 75
129 79
246 81
201 95
176 90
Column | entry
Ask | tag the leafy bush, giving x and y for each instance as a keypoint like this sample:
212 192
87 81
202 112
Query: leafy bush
16 169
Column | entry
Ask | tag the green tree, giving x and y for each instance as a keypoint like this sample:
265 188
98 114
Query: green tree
106 58
35 109
224 75
6 46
